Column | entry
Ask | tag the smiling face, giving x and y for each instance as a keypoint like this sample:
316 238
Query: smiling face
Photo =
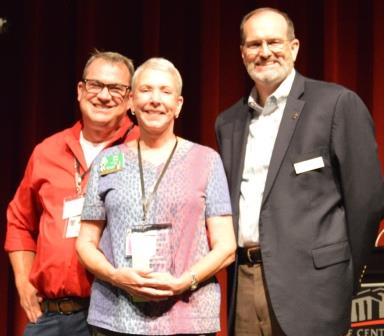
267 52
103 109
156 101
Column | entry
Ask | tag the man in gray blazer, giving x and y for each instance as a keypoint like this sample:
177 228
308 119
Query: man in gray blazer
307 191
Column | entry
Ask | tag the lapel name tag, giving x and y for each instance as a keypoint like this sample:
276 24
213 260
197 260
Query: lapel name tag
111 164
308 165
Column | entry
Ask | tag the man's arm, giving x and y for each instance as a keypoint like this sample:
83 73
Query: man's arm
29 298
23 215
361 180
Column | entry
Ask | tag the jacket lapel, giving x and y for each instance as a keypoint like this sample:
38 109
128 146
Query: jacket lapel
239 141
288 124
237 130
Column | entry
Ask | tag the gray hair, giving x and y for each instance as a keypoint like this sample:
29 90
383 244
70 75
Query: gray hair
290 26
162 64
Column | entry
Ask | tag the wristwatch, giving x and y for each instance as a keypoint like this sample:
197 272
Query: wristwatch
194 282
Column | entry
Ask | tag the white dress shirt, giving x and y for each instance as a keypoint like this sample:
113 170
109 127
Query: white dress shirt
263 130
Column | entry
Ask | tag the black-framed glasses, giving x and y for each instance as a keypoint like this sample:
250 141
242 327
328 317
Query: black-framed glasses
114 89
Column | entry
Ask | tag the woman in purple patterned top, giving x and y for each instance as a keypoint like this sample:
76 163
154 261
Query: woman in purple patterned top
156 223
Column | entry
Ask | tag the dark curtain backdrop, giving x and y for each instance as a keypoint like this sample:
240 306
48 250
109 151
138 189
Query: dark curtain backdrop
45 44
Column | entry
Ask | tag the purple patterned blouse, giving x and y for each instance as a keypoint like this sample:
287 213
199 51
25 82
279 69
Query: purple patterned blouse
193 188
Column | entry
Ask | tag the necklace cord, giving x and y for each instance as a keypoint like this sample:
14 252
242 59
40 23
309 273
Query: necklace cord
146 201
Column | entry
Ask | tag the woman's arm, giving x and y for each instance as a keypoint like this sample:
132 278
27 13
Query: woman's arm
223 247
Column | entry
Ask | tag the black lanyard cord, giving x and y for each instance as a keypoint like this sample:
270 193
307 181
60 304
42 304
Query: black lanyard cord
78 177
146 201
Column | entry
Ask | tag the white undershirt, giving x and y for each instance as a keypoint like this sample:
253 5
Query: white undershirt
263 130
91 149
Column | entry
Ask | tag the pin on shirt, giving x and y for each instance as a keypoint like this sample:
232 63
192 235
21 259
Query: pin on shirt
295 115
111 163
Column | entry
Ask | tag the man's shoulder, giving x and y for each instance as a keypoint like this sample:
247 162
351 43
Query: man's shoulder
321 87
235 110
58 138
326 94
322 92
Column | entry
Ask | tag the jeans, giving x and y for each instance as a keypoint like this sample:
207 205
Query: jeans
55 324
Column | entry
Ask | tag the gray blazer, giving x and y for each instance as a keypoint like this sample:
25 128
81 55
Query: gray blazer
316 227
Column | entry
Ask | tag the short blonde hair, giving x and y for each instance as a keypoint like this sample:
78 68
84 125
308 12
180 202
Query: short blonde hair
159 63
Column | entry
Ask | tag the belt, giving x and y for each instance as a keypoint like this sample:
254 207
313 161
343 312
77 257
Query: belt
64 306
249 255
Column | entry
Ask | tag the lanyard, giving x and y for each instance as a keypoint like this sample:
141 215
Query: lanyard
78 177
146 201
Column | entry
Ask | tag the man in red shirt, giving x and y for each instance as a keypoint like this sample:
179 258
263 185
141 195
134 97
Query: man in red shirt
44 215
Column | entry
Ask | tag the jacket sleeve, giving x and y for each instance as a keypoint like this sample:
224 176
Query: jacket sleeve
217 132
361 181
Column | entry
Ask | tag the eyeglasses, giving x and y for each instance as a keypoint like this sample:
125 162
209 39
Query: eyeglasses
114 89
274 45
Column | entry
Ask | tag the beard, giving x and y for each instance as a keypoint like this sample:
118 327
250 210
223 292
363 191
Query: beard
269 77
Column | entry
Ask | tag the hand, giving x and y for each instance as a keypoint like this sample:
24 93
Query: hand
167 281
29 300
140 283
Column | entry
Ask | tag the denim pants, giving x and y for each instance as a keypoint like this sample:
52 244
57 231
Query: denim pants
55 324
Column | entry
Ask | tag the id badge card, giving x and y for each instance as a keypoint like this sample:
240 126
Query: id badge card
150 246
73 227
72 209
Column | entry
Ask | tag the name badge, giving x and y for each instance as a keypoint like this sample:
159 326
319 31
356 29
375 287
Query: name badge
73 227
308 165
111 163
150 247
73 207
